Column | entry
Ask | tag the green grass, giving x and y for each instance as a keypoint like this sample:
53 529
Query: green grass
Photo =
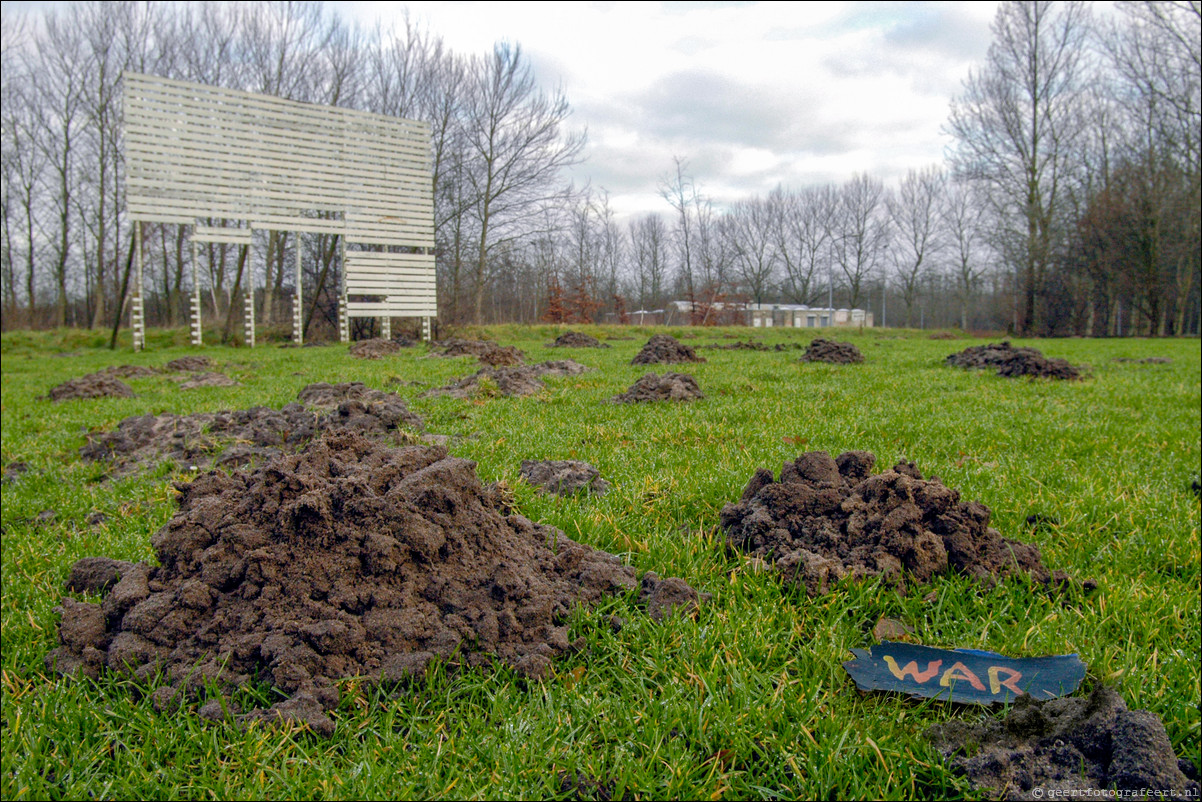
747 701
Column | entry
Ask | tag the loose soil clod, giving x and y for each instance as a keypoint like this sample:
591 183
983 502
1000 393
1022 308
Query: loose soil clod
1066 747
825 519
518 380
347 559
663 349
93 385
236 437
190 364
373 349
836 353
1012 362
208 379
488 353
563 477
574 339
653 387
128 371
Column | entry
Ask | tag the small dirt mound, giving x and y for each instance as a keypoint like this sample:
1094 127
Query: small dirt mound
94 385
1011 362
563 477
1148 360
190 364
519 380
128 371
574 339
208 379
1079 746
236 437
943 335
348 559
825 519
373 349
836 353
653 387
662 349
750 345
489 353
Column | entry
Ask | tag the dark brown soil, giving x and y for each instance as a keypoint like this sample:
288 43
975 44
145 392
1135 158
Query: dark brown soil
1012 362
563 477
236 437
836 353
1066 747
207 379
1148 360
190 364
489 353
94 385
13 471
508 381
373 349
662 349
347 559
825 519
750 345
128 371
574 339
653 387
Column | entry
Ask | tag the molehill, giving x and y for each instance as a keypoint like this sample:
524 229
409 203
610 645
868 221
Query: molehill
488 353
93 385
563 477
663 349
574 339
653 387
235 437
825 519
373 349
516 380
348 559
1012 362
1068 747
836 353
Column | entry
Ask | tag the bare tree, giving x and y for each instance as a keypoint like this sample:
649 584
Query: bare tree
803 238
750 229
860 232
1015 124
914 212
964 235
649 250
516 149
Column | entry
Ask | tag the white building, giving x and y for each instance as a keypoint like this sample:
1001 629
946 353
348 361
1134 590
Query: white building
805 317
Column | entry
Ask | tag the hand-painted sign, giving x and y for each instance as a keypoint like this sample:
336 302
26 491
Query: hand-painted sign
968 676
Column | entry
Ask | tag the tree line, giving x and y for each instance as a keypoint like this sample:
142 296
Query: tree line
1067 204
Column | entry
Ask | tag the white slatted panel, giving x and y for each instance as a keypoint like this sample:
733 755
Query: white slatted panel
403 284
202 151
195 152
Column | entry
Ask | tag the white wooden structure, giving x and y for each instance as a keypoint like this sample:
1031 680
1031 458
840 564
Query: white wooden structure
228 163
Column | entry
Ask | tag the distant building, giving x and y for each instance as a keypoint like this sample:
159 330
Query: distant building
805 317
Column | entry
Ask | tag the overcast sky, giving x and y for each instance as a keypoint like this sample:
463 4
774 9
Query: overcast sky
751 94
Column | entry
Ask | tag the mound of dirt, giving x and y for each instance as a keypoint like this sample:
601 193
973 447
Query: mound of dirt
373 349
825 519
190 364
750 345
1148 360
508 381
662 349
347 559
574 339
93 385
208 379
236 437
836 353
128 371
1011 362
653 387
1068 747
489 353
563 477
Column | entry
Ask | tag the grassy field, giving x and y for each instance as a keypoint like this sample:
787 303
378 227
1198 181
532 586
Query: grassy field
747 701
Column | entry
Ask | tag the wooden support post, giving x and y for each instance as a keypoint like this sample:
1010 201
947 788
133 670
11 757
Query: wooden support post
137 311
249 319
197 329
298 328
344 324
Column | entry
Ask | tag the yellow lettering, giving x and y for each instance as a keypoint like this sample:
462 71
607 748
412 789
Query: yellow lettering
911 668
960 671
1011 681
